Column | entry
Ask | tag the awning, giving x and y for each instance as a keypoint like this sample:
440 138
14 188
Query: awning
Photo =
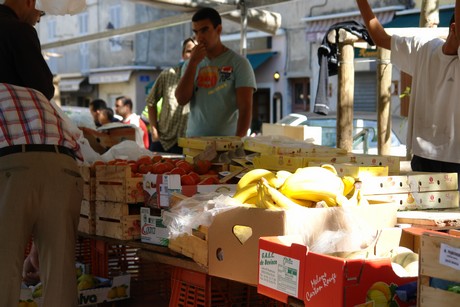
317 26
257 59
411 18
70 84
110 77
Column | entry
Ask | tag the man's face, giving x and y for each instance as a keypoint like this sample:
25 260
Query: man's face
32 15
206 34
120 109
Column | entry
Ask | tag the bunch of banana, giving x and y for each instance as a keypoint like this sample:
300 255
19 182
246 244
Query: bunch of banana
315 184
246 190
271 198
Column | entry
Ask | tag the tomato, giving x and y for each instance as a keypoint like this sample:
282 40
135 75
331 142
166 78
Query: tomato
187 180
195 176
202 166
144 168
178 170
187 167
134 166
156 159
98 162
144 159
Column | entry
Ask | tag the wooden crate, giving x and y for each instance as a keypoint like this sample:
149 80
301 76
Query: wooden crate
194 246
118 220
115 183
87 223
88 173
431 266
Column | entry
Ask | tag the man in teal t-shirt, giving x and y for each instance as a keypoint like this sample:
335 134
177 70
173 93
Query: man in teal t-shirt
218 82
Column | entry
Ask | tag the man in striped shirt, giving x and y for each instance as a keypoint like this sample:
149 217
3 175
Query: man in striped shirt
40 183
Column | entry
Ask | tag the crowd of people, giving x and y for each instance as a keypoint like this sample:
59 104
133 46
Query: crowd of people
208 94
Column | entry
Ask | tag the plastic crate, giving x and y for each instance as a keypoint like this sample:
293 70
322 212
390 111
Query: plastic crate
150 281
195 289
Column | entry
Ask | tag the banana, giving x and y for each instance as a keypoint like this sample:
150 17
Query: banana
303 202
330 168
262 200
278 198
281 177
246 193
313 184
253 176
349 184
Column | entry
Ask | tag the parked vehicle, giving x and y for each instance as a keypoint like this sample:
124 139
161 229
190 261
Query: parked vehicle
364 130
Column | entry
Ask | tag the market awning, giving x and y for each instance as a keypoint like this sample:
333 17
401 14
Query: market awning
317 26
110 76
257 59
70 84
411 18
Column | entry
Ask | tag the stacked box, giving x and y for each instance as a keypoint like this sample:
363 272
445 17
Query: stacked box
219 150
87 223
414 190
118 199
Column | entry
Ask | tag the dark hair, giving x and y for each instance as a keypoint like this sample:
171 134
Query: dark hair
109 113
97 104
126 101
208 13
184 44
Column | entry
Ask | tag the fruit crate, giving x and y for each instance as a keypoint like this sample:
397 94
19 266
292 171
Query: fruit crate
88 173
439 268
196 289
116 183
87 222
118 220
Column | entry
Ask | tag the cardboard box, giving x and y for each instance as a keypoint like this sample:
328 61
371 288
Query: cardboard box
357 171
102 139
299 133
219 143
288 269
411 182
232 256
167 185
420 200
116 289
153 230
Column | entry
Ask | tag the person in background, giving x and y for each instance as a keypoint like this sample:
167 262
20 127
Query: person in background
95 108
172 121
40 147
21 58
124 108
434 111
218 82
106 116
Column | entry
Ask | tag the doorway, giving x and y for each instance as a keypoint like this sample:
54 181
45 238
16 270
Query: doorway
260 109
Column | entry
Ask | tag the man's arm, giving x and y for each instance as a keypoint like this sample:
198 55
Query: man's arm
244 104
153 116
186 86
373 25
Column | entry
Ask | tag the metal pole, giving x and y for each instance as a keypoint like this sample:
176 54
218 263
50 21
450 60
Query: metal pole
244 27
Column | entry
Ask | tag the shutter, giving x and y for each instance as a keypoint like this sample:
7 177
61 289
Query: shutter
365 91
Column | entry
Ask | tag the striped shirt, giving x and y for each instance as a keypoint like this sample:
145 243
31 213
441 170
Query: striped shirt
27 117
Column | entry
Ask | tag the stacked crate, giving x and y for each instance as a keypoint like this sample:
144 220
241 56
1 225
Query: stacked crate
87 223
119 196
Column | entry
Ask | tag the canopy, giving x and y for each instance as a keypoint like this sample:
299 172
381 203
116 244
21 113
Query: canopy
61 7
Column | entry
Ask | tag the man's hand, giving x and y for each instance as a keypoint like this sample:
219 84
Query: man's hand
198 54
30 269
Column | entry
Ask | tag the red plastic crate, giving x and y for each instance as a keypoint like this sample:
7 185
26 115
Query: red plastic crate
195 289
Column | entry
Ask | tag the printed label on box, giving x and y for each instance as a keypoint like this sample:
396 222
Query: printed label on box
279 272
450 256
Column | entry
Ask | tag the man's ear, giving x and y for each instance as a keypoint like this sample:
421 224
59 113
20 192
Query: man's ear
219 29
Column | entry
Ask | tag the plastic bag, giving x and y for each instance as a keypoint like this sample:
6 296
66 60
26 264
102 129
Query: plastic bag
127 150
195 211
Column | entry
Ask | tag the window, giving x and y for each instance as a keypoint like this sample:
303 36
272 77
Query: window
300 88
115 21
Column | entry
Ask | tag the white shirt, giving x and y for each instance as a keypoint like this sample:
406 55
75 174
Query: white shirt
434 109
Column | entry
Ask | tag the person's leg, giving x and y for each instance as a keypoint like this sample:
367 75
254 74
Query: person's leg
17 211
56 229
